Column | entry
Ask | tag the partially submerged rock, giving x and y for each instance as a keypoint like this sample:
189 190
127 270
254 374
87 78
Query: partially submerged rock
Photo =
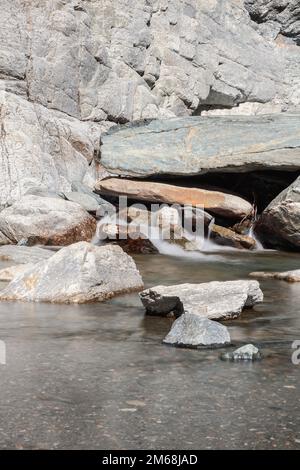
289 276
201 144
215 300
249 352
223 204
279 224
226 237
192 331
24 254
47 221
78 273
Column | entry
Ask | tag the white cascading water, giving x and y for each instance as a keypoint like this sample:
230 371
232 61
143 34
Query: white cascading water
203 245
163 246
259 246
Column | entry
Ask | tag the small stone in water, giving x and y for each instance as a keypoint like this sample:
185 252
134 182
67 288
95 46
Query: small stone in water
244 353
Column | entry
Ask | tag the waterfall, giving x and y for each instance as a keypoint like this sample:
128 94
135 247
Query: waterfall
259 246
203 246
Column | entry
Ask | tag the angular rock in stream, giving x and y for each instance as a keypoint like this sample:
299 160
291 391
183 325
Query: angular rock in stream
214 300
47 221
249 352
279 224
217 202
79 273
192 331
289 276
201 144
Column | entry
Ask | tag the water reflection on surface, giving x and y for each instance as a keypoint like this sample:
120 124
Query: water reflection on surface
97 376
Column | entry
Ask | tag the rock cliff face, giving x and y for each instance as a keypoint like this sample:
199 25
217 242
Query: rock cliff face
70 69
280 15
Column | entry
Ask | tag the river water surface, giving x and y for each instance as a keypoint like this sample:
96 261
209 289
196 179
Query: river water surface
97 376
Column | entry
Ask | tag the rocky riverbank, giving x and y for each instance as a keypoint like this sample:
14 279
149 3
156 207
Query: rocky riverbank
196 128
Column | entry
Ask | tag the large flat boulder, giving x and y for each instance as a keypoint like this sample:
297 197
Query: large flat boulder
214 300
192 331
217 202
47 221
279 224
201 144
78 273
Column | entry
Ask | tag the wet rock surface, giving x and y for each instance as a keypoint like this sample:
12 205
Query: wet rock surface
226 237
214 300
76 274
192 331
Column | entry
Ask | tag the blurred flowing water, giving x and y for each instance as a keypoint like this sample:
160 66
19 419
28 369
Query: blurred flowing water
97 375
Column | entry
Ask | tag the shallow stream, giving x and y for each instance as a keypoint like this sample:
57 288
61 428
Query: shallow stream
97 376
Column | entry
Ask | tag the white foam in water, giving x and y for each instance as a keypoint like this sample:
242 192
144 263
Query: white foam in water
166 248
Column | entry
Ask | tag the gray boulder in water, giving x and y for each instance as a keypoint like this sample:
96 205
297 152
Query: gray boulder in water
192 331
79 273
249 352
279 224
214 300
